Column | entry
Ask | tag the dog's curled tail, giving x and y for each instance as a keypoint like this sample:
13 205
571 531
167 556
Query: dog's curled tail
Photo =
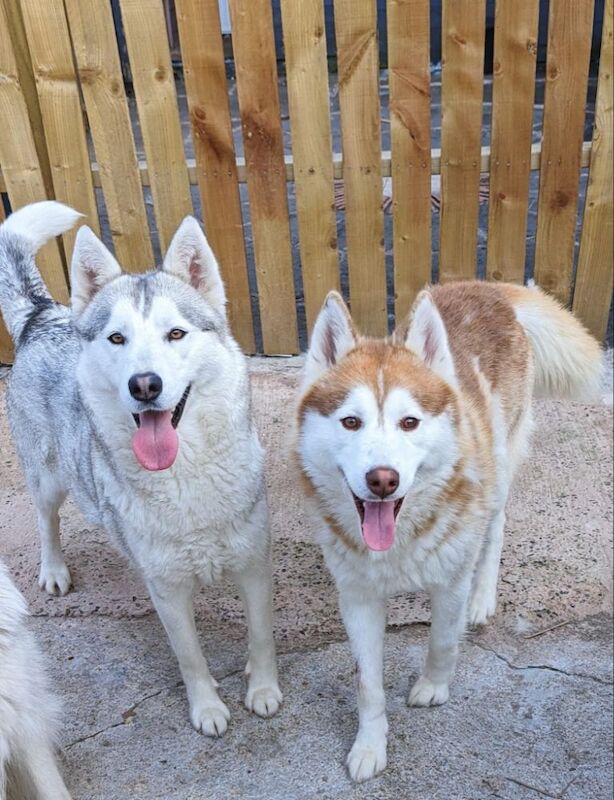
568 360
25 231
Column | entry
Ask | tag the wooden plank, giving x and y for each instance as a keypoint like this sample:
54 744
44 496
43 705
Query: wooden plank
463 31
307 77
358 70
254 51
593 292
27 83
512 129
205 77
98 64
156 98
569 42
23 177
410 130
60 105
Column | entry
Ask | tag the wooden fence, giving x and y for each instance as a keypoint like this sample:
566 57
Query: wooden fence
68 133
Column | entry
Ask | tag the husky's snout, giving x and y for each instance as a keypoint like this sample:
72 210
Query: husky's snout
145 386
382 481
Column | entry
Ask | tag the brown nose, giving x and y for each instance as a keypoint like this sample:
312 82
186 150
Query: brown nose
382 481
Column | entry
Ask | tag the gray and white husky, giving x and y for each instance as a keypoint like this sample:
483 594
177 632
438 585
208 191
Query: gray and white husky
137 401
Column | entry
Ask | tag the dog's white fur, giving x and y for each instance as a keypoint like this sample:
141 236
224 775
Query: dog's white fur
29 713
201 520
455 468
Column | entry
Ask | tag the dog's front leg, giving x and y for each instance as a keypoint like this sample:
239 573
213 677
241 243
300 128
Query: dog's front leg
173 602
254 584
365 622
448 621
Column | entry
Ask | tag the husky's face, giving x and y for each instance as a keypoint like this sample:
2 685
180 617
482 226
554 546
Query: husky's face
149 340
377 419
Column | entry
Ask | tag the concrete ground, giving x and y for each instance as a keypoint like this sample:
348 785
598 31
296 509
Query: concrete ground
530 713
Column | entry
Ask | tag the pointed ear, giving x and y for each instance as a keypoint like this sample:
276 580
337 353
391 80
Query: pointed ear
332 337
92 266
190 258
426 335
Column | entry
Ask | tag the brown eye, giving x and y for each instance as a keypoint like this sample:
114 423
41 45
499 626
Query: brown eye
351 423
409 423
116 338
176 334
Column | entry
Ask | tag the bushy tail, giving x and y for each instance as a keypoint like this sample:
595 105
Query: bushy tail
21 236
568 360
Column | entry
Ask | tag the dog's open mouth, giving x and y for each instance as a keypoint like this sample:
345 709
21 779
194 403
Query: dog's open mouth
378 521
155 442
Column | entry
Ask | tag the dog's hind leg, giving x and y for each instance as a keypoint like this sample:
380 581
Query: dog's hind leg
49 495
263 695
173 602
483 600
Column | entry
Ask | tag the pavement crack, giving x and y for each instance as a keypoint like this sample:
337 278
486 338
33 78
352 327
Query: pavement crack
543 792
127 716
546 667
129 713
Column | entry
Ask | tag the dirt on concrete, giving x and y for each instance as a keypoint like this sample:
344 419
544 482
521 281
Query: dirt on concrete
530 713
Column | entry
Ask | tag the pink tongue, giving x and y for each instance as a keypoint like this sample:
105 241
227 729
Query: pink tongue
155 443
378 525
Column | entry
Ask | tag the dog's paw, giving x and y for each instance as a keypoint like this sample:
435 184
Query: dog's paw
365 760
210 717
426 693
482 607
55 578
263 700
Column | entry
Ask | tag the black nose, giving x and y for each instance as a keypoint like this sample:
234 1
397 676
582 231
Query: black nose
382 481
145 386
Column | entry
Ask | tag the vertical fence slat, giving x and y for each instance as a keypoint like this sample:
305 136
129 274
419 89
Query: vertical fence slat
256 67
358 70
27 83
156 98
21 168
60 105
95 47
463 33
410 130
205 76
569 43
512 128
307 76
593 292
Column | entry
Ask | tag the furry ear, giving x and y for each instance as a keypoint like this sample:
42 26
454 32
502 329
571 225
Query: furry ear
332 337
92 266
190 258
426 335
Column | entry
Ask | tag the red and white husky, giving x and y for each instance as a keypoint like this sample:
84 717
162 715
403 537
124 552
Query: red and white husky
408 447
